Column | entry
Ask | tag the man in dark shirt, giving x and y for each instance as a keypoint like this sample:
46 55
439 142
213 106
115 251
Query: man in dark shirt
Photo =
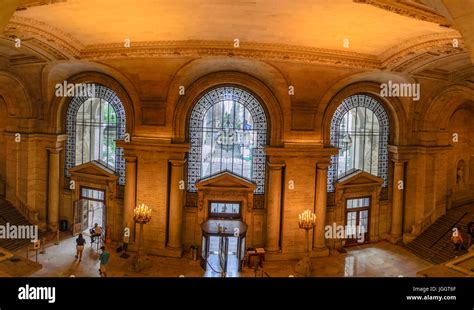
80 241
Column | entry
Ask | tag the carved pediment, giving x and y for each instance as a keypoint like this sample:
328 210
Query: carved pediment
226 181
361 178
93 169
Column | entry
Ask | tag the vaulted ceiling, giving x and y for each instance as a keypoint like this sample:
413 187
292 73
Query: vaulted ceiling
405 35
322 24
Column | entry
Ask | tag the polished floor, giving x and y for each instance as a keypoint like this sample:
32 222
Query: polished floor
215 265
373 260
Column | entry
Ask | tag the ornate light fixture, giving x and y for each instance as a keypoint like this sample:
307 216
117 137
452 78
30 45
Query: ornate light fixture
306 221
141 215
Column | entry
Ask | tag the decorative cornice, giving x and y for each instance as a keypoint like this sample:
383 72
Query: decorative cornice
275 166
54 43
466 73
130 159
410 9
323 165
405 152
316 151
436 74
396 56
419 61
62 46
177 162
24 4
43 32
140 144
201 48
422 42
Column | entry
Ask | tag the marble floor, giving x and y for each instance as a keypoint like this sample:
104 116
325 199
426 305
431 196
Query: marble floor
381 259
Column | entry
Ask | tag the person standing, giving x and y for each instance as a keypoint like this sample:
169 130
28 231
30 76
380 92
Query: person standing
457 239
104 261
80 241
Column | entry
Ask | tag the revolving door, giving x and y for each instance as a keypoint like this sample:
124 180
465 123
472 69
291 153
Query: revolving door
223 245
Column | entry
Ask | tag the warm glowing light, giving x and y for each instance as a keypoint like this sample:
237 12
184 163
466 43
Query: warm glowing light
307 220
142 214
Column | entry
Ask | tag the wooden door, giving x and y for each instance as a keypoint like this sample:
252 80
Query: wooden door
357 221
81 216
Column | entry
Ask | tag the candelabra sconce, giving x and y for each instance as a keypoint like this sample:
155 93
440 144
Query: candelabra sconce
306 221
141 215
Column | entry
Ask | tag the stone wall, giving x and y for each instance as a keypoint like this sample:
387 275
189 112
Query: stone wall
158 112
299 183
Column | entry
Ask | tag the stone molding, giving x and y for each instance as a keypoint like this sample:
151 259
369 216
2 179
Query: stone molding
409 9
315 151
63 43
391 56
63 46
139 144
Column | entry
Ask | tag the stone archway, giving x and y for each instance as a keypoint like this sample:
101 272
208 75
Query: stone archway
393 106
437 115
16 97
245 81
59 105
460 166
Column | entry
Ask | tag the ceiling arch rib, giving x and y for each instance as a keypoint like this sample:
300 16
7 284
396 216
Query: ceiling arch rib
45 39
57 32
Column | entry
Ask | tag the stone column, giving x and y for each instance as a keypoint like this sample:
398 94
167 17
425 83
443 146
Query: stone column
397 201
53 189
130 192
176 205
319 241
274 207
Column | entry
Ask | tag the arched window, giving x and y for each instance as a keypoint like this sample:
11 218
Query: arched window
360 129
94 123
228 130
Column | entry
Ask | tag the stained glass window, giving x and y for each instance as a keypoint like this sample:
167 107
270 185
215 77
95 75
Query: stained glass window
360 129
228 130
94 123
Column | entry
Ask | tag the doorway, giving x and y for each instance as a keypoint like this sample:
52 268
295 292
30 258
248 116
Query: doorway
357 220
224 252
89 210
223 247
